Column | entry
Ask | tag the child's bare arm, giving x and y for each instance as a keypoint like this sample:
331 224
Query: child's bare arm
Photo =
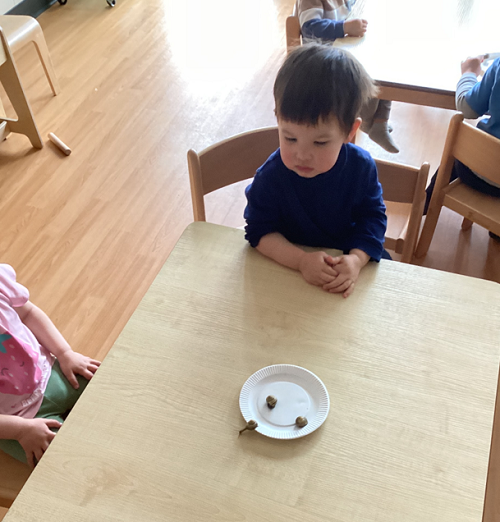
315 267
34 435
355 27
348 268
72 363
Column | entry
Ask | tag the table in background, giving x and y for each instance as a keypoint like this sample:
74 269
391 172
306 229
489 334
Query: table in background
410 361
414 49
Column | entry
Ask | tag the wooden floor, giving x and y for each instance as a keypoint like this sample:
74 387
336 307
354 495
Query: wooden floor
141 84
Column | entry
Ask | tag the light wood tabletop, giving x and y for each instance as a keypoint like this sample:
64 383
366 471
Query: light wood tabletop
414 49
410 361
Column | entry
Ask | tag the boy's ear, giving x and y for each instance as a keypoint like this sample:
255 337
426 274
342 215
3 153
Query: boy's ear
352 133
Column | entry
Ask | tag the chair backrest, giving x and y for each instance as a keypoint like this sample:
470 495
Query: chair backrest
227 162
473 147
403 184
292 32
238 157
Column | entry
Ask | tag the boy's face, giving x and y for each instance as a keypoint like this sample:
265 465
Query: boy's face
311 150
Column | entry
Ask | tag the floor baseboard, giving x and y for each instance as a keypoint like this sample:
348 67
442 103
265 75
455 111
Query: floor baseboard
31 7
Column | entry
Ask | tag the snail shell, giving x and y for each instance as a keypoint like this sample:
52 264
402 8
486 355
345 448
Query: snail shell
271 401
301 422
251 425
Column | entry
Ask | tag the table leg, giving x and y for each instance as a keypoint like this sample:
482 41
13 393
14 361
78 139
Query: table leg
491 511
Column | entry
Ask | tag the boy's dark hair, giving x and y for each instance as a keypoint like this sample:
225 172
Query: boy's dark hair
317 82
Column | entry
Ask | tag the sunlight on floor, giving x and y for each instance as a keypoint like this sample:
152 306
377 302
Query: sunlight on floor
224 45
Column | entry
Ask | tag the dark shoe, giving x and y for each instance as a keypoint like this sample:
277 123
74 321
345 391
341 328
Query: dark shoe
494 236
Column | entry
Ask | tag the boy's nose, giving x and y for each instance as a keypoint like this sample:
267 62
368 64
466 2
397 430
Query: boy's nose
303 153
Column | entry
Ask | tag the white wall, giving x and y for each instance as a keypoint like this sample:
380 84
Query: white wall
7 5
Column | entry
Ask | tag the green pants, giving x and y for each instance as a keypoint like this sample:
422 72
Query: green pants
58 400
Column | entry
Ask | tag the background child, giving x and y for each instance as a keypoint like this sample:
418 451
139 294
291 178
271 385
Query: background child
476 98
325 20
318 189
36 390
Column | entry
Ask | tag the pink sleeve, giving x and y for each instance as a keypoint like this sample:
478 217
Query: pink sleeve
16 294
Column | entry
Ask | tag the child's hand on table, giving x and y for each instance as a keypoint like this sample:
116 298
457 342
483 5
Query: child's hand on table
36 437
348 268
316 268
473 65
355 27
74 363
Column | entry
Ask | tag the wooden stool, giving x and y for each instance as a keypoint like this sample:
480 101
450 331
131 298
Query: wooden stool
25 123
20 31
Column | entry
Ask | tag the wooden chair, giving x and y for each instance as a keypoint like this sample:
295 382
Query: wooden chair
25 123
481 153
13 475
292 31
404 196
227 162
3 512
237 158
22 30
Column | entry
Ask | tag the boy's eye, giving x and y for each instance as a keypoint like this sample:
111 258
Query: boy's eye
291 140
320 143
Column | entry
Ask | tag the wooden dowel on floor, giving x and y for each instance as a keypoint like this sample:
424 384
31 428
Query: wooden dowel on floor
60 144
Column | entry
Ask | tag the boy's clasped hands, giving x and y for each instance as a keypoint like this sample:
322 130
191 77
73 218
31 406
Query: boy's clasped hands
336 275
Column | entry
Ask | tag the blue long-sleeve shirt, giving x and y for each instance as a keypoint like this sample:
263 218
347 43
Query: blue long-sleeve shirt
484 98
323 19
342 208
324 29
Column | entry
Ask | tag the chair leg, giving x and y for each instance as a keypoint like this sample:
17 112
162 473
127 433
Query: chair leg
466 224
43 54
25 123
428 228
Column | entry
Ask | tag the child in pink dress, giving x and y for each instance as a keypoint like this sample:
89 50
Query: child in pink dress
41 377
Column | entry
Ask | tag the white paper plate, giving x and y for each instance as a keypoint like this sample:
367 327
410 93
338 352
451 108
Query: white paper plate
299 393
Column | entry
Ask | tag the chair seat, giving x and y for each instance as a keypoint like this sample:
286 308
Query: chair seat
17 29
480 208
13 475
398 217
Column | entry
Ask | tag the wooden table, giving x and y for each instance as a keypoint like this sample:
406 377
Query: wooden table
414 49
410 361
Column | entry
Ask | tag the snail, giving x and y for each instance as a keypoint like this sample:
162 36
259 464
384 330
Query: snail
251 425
271 401
301 422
